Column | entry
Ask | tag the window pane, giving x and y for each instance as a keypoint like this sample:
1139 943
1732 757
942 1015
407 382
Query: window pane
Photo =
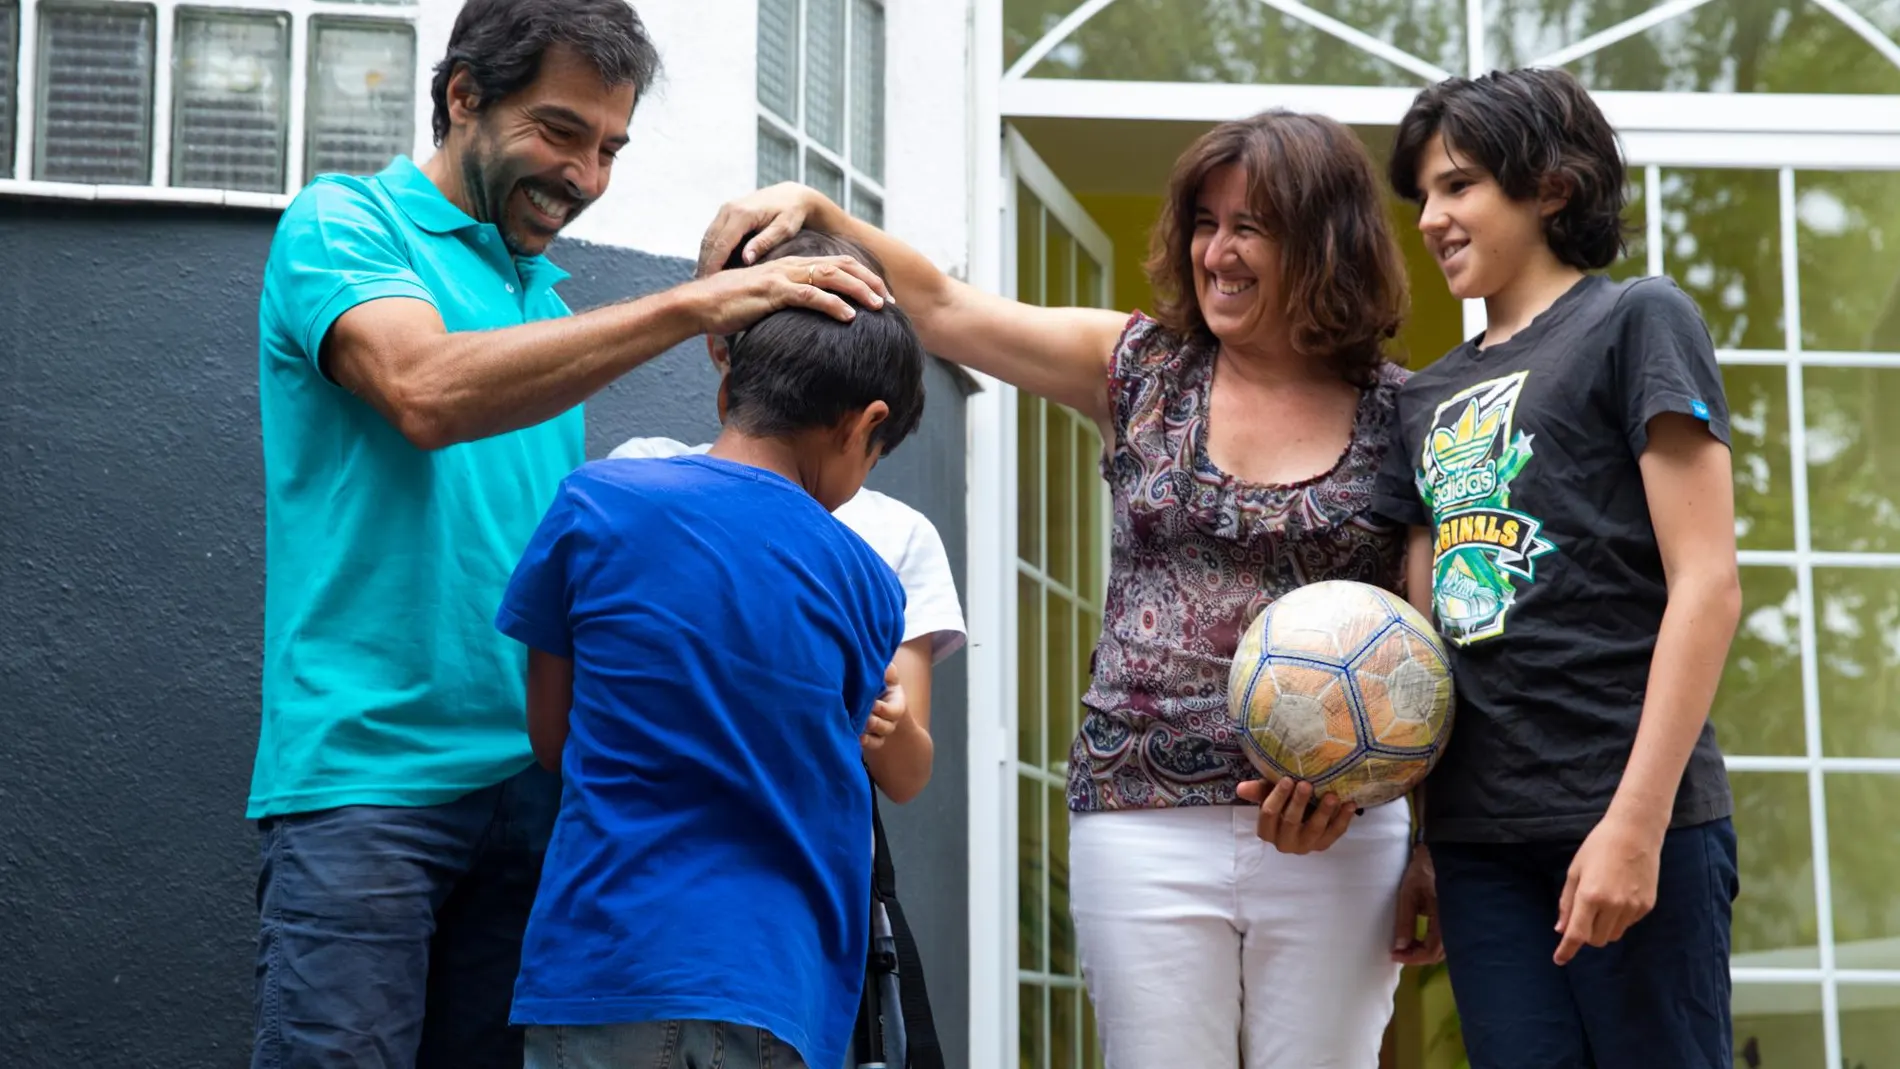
9 31
1848 239
95 95
1758 707
1088 514
1729 46
1058 288
823 177
1029 671
1060 482
1778 1026
1721 233
1853 452
229 126
824 72
1061 923
1864 867
1088 281
1775 922
1634 263
1030 1048
778 57
778 157
1028 246
1857 644
1758 439
1230 41
1063 1026
1029 478
1063 696
362 86
1870 1023
866 206
1031 905
1025 21
867 88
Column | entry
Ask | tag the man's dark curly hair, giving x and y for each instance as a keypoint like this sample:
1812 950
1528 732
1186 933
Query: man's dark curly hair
1527 127
501 43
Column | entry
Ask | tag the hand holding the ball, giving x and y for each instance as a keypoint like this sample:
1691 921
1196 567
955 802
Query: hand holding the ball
887 713
1285 821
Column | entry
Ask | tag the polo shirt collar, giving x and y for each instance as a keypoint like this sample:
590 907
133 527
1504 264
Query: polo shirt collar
426 207
417 196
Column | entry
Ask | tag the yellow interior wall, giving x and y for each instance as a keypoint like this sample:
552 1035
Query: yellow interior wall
1434 327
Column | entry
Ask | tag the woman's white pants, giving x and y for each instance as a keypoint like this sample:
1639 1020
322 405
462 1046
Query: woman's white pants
1205 948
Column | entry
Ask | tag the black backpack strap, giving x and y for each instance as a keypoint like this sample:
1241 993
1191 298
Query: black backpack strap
920 1029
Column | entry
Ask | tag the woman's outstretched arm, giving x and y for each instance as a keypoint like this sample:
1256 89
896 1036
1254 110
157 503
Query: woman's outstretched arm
1058 353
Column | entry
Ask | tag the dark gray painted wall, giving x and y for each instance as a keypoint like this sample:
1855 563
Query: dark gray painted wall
131 566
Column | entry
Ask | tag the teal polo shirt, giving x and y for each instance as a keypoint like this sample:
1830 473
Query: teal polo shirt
385 681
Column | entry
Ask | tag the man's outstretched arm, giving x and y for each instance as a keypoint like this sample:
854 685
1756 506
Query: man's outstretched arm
439 387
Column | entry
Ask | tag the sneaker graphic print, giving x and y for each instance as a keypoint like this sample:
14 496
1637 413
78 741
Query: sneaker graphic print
1482 546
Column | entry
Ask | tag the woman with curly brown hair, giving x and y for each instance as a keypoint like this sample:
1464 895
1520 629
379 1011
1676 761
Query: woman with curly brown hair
1245 423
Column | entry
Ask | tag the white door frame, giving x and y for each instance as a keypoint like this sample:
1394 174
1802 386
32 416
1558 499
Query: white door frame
994 965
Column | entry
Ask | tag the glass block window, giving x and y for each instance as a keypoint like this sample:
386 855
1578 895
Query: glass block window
165 93
778 57
95 94
362 86
229 115
821 99
9 43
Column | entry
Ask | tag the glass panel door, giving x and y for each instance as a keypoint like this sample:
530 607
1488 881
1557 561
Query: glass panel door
1060 258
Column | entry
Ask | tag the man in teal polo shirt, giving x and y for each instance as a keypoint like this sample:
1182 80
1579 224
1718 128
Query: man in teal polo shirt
420 385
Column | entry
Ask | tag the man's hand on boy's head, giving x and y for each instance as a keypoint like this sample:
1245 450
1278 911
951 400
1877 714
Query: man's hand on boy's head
731 301
887 713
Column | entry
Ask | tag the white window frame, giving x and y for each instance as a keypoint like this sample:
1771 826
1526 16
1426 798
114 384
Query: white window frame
1784 133
803 142
299 14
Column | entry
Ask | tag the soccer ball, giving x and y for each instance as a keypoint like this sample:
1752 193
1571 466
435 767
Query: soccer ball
1344 686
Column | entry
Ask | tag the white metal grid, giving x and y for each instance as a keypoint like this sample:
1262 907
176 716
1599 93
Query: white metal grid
854 181
1048 778
19 180
1802 560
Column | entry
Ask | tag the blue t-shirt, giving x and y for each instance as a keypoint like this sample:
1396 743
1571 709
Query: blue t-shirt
712 858
384 681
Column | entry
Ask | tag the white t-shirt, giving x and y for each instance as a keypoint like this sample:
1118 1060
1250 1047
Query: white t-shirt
904 537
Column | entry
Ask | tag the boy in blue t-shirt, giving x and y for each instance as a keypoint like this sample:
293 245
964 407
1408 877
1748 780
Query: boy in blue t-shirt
706 644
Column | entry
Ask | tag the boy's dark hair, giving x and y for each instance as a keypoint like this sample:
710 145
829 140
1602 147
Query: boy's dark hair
1526 126
501 42
797 369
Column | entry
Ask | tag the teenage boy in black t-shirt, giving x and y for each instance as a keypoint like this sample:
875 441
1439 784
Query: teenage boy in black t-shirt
1566 475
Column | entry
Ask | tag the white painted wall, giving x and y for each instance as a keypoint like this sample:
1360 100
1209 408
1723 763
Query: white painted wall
695 137
694 143
927 146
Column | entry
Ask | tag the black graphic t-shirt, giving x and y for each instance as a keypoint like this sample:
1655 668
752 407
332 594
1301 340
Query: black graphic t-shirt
1547 583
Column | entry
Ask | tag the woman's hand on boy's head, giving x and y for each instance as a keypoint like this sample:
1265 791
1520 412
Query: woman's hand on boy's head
772 214
887 714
